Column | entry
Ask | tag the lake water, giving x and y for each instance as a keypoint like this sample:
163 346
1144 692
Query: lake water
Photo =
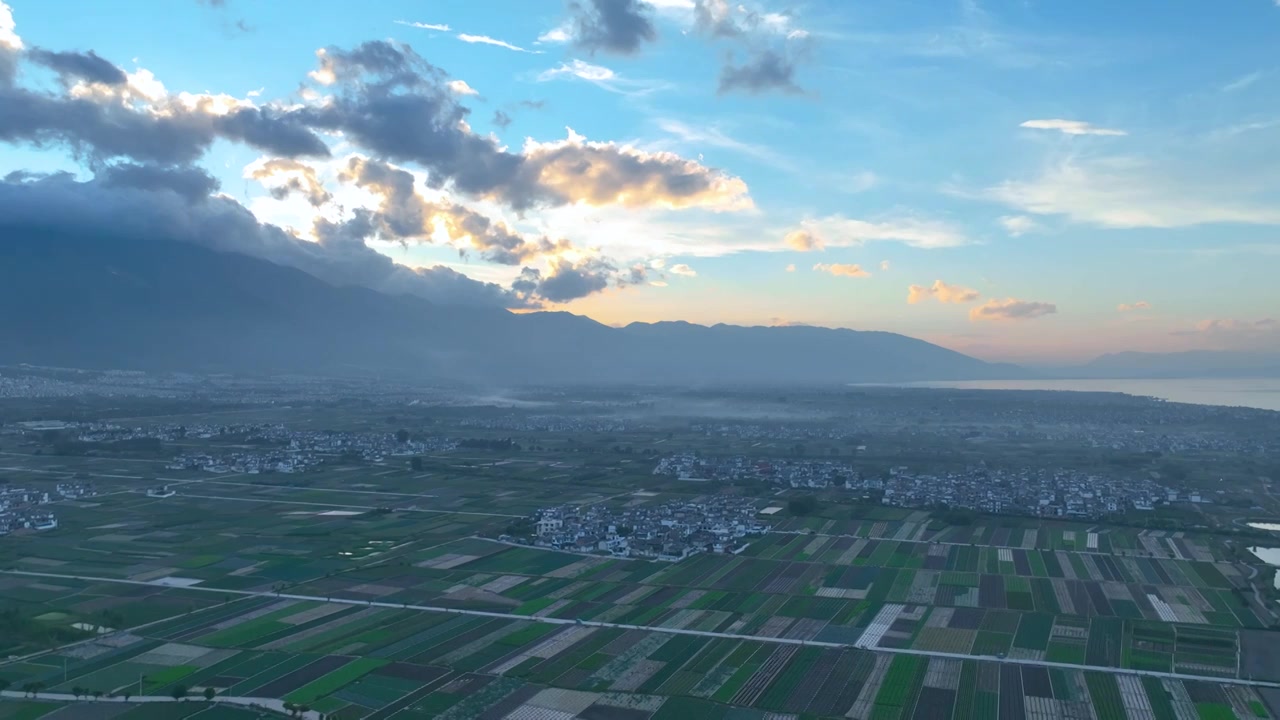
1270 556
1263 393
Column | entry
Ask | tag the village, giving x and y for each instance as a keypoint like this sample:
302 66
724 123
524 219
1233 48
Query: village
26 509
670 531
1027 491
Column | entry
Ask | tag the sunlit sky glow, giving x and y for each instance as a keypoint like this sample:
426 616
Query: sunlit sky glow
1026 180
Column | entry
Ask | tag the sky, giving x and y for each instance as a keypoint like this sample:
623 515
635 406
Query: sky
1034 181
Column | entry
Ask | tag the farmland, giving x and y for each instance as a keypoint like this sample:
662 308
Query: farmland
379 590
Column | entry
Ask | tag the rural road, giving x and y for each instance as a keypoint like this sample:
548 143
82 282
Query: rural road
672 631
269 703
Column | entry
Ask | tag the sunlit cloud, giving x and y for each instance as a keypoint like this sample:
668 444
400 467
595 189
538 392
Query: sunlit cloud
842 270
441 27
1011 309
486 40
839 231
460 87
1017 225
1130 307
942 292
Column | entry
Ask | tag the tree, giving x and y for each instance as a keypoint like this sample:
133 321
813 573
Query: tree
4 684
209 693
415 464
402 436
802 505
97 694
126 695
77 691
290 708
178 692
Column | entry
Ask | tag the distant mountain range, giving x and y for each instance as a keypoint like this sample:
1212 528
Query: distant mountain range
1193 363
91 303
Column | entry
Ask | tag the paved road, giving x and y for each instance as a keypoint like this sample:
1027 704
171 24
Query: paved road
671 631
269 703
276 501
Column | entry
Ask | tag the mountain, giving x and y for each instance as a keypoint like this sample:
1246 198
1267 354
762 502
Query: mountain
84 302
1189 364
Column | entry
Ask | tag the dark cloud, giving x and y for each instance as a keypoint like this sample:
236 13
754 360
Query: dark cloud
613 26
103 128
389 101
1011 309
119 207
501 119
191 183
86 66
565 282
765 71
533 104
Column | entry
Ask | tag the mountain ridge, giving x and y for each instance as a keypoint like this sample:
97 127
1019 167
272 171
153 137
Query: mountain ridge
159 305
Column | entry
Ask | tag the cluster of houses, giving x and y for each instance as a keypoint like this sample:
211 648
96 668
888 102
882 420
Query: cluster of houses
1037 492
738 468
26 509
670 531
1027 491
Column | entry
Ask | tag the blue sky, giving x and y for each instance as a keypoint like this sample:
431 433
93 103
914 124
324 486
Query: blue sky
1032 165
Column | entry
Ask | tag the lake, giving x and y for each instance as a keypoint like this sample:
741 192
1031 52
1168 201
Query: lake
1262 393
1270 556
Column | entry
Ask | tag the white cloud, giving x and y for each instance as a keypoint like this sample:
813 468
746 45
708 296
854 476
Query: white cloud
1071 127
425 26
682 269
556 36
852 270
884 265
9 39
601 77
658 283
791 267
1243 81
1130 307
486 40
712 136
839 231
1017 225
460 87
580 69
942 292
1129 193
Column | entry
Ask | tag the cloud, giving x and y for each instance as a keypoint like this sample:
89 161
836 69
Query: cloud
404 214
425 26
803 241
145 203
612 26
1011 309
884 265
682 269
773 46
1129 307
501 119
791 267
838 231
1235 334
765 71
601 77
391 102
1017 225
942 292
84 66
1071 127
565 282
557 35
460 87
1243 81
709 135
10 46
1129 193
842 270
486 40
284 177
